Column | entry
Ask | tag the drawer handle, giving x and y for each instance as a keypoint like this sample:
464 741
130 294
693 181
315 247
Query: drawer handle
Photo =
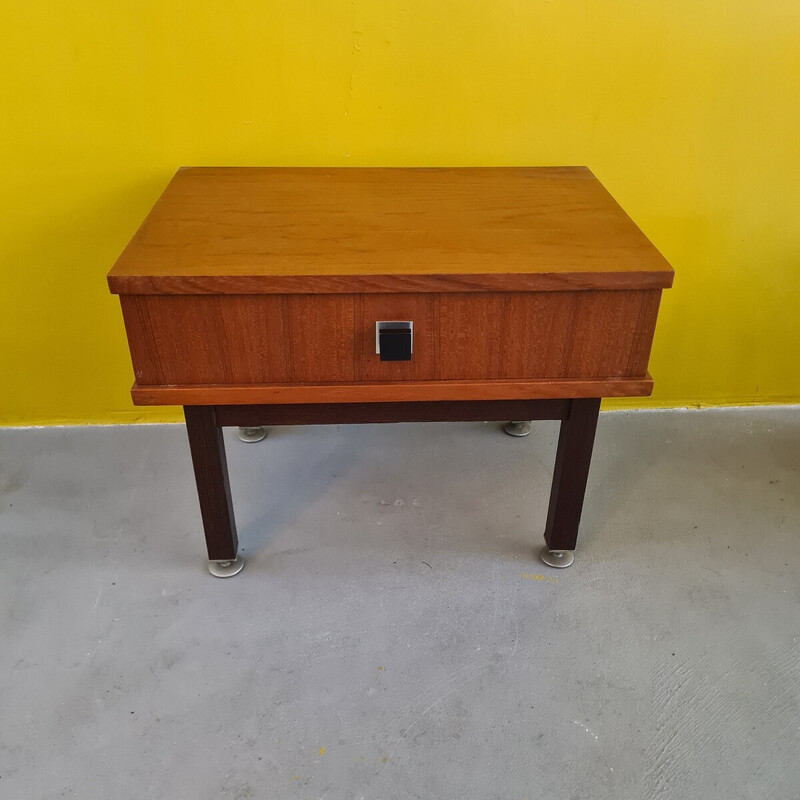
394 340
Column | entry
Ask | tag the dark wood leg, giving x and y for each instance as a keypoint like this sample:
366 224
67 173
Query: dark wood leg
213 487
574 454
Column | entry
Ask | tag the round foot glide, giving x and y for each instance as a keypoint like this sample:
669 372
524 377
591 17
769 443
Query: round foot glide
517 428
226 569
557 558
252 434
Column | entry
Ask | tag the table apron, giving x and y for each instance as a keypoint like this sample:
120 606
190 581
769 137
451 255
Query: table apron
418 411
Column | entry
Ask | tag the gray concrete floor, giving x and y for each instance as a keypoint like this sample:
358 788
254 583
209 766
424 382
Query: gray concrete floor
393 634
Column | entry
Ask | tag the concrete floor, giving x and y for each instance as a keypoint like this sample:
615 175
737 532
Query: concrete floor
392 634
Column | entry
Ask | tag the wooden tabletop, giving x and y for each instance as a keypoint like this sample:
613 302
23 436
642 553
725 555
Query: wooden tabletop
232 230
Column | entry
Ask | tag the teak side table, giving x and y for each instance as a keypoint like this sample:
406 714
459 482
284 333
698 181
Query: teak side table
283 296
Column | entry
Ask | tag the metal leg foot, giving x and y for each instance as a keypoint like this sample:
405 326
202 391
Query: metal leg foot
557 558
252 434
226 569
517 428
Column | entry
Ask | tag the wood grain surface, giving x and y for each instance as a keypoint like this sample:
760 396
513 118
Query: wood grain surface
282 339
400 392
237 230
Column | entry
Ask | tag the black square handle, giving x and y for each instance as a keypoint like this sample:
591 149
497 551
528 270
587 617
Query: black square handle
394 340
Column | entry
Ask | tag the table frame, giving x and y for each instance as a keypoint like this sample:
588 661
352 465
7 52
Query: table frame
578 418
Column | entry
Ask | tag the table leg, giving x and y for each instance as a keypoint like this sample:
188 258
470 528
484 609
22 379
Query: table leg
213 489
575 442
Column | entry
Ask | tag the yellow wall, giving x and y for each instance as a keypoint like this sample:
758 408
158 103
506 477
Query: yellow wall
688 111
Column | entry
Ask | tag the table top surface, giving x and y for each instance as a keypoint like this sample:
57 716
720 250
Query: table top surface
262 229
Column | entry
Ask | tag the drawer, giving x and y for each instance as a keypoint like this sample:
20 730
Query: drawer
267 339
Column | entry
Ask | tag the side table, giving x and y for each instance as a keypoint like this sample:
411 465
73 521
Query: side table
296 296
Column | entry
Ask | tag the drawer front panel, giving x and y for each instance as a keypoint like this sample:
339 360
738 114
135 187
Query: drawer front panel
320 338
284 339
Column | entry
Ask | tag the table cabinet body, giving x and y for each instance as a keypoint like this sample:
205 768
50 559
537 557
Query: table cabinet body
262 287
518 343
